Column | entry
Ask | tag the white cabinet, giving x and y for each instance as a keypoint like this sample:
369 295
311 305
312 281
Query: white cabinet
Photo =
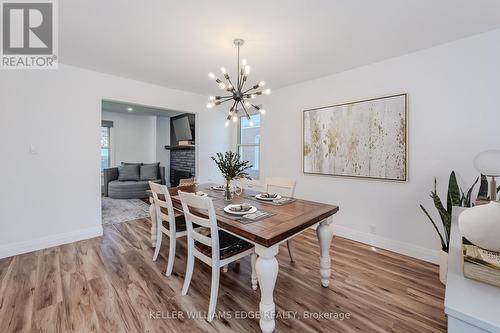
471 306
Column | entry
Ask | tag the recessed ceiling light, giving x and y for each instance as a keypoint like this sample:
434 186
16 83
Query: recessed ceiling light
129 109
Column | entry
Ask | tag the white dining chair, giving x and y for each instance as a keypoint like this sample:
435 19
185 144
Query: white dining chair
214 247
284 187
175 226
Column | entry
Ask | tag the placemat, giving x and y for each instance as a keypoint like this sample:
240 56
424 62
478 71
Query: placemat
280 202
245 219
208 196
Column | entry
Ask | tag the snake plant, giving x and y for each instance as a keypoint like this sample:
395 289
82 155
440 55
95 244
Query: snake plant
455 197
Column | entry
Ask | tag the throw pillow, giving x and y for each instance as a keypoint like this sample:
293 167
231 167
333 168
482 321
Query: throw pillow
150 171
128 172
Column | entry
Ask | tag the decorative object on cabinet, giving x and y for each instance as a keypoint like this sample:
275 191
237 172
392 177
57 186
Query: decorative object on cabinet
481 226
480 264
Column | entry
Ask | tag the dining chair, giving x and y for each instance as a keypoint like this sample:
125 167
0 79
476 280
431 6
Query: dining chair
175 226
214 247
285 187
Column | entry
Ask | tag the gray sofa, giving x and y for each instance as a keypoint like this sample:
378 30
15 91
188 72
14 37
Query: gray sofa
117 189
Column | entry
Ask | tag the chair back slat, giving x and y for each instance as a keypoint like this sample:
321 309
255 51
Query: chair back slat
204 205
199 220
280 185
159 202
201 238
162 199
162 216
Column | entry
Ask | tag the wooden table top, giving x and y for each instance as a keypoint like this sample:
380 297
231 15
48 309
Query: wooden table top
288 220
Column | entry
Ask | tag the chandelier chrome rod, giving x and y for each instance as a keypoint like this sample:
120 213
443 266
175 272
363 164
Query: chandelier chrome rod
228 79
253 88
219 102
256 93
231 111
226 100
242 79
238 67
245 109
232 107
255 107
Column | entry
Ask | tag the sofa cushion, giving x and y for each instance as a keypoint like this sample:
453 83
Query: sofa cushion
129 189
128 172
118 185
150 171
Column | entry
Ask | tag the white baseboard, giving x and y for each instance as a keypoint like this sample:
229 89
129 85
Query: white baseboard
13 249
407 249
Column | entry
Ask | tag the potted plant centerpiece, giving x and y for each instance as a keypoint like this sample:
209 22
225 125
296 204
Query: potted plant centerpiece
231 168
456 202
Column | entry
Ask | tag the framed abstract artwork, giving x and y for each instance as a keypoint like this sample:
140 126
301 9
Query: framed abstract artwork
365 139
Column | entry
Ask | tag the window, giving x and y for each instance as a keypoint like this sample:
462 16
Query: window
249 143
105 148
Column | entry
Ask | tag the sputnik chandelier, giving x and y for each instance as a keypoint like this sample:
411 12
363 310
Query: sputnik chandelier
238 95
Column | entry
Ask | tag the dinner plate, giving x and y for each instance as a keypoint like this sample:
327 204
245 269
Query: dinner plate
218 188
259 197
227 210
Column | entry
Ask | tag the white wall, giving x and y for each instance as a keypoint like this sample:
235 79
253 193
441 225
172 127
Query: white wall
133 137
53 196
454 114
162 140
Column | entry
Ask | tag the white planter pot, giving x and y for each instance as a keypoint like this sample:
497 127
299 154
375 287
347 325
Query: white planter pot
481 225
456 211
443 266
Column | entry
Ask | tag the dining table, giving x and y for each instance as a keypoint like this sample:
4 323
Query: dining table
281 223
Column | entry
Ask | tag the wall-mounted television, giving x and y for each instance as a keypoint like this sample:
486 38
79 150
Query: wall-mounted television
182 129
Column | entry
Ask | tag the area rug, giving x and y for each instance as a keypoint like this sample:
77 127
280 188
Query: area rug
123 210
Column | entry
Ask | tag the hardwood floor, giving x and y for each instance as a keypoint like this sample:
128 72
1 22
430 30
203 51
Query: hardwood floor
111 284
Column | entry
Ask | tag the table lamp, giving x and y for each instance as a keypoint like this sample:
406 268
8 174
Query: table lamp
488 163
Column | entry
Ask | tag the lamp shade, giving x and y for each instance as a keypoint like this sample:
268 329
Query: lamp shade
488 163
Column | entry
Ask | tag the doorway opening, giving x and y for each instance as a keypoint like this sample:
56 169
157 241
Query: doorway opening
140 144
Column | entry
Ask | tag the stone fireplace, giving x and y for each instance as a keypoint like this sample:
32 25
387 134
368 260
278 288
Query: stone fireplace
182 164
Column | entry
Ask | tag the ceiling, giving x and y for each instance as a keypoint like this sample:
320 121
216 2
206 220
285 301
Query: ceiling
136 109
176 43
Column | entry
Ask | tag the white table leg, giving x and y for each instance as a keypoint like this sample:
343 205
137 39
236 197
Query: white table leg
152 213
267 267
253 259
325 235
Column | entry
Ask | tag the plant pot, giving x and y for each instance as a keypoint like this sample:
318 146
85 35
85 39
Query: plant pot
443 266
481 226
456 211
